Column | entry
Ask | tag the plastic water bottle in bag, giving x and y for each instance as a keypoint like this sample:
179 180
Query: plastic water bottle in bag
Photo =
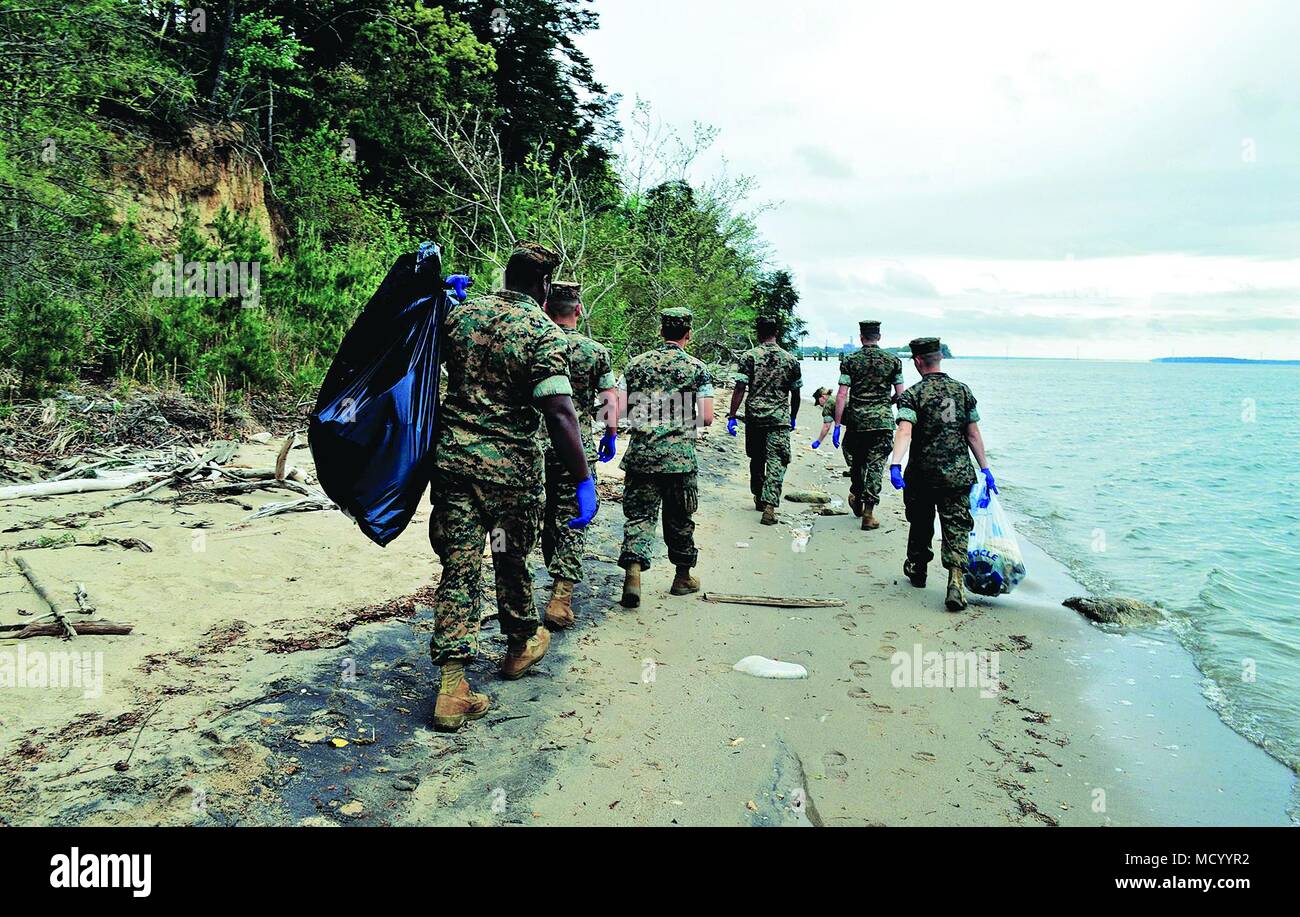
996 564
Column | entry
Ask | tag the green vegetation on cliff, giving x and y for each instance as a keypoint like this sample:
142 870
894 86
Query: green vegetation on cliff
372 125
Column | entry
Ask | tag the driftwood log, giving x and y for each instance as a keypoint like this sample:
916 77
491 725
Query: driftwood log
771 601
77 485
55 629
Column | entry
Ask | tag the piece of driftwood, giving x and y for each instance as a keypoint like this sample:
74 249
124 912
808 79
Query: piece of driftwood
283 457
309 504
77 485
772 601
44 593
55 629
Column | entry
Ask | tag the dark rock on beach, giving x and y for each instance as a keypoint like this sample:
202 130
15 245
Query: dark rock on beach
1115 610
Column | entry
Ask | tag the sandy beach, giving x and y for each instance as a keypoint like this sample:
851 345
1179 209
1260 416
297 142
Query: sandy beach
278 674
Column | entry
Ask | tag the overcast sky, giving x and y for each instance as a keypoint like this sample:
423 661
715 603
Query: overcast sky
1116 180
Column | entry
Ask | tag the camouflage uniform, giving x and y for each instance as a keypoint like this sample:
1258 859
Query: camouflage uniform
501 353
590 372
939 471
771 374
870 374
660 465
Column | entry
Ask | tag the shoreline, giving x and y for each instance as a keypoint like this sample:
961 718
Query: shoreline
251 657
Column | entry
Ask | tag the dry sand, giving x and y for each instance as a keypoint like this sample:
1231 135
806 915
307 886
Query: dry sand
278 675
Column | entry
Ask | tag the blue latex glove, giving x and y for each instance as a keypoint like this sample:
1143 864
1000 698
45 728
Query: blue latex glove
587 505
792 423
990 487
607 448
731 425
458 284
817 443
835 436
896 476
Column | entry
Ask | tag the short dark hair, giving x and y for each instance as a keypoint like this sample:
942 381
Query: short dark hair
564 299
767 327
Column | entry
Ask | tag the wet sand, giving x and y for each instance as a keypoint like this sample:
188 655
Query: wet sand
278 675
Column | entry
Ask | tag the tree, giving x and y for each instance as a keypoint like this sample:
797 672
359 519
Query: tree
775 294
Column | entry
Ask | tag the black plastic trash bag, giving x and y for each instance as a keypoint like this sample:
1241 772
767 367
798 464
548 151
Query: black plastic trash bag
373 431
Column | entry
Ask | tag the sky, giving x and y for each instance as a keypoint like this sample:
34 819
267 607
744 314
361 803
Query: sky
1103 180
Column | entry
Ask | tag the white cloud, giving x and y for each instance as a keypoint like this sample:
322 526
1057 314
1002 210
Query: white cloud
1129 161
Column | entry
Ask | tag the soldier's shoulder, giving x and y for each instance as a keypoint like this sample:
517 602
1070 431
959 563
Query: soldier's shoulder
639 361
694 361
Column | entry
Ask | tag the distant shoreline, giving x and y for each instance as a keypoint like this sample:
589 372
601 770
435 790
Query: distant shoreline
1225 360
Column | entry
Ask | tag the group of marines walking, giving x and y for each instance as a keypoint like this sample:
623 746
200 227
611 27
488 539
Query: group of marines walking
503 477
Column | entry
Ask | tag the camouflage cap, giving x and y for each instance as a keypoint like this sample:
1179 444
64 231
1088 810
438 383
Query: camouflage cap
869 328
537 259
676 320
565 292
922 346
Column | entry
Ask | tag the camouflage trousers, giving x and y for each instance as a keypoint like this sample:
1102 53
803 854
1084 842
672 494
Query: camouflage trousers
769 453
922 501
465 512
562 547
643 495
866 452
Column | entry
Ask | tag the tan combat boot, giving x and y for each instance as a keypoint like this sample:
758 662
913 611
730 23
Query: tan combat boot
956 599
453 708
769 514
855 504
869 520
684 583
559 610
517 662
631 586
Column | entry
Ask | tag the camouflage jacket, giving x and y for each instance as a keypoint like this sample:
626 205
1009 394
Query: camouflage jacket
662 387
828 408
590 373
501 353
939 408
771 374
870 374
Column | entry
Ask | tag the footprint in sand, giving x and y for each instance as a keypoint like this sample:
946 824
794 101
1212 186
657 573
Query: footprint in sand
861 694
846 622
834 762
926 756
882 708
887 651
860 668
890 635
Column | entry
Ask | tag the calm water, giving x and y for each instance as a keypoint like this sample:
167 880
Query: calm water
1174 483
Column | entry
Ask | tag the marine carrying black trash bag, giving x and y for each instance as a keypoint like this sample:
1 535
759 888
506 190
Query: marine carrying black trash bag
373 431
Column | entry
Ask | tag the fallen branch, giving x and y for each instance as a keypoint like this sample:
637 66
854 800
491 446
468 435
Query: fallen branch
55 629
76 485
41 591
305 505
771 601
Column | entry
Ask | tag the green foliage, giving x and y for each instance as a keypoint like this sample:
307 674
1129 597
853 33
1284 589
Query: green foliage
379 124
